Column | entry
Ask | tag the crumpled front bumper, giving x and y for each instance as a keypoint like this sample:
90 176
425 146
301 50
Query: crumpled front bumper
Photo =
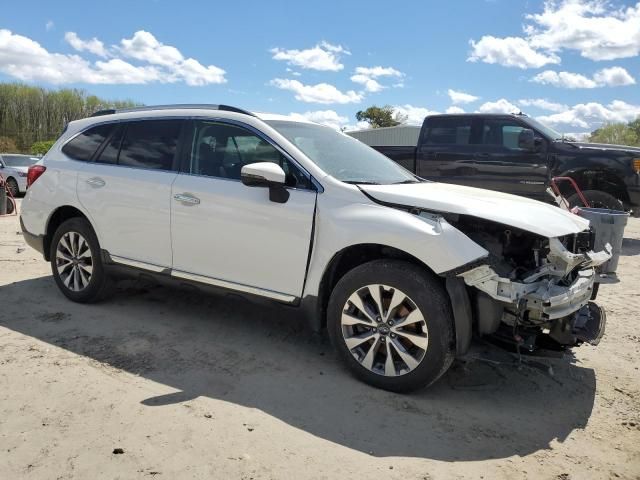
547 299
545 291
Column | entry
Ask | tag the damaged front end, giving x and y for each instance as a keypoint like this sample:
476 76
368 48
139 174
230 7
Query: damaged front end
534 292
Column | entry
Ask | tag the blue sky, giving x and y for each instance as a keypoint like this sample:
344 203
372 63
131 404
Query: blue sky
574 63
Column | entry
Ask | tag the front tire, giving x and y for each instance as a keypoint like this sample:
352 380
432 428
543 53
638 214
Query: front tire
12 187
391 324
76 262
596 199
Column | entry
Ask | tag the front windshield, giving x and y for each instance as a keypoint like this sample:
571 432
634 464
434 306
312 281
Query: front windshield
18 160
341 156
548 131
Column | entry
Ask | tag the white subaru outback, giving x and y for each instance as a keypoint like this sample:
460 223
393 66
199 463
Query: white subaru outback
400 270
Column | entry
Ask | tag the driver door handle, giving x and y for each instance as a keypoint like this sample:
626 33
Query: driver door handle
186 199
96 182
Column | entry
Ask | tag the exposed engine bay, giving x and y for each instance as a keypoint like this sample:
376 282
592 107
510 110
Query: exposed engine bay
532 291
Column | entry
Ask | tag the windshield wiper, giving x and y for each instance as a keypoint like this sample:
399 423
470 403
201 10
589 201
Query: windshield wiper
406 181
564 139
360 182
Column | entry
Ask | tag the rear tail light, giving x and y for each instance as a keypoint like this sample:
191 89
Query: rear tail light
34 173
636 165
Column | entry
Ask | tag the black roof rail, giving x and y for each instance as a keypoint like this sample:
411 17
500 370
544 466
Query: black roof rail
204 106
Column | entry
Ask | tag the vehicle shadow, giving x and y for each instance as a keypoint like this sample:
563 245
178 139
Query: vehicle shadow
630 247
263 356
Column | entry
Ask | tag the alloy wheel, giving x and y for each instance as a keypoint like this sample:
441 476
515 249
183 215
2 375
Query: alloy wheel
384 330
74 261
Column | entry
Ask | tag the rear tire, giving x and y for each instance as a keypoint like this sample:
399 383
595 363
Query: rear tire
596 199
403 315
76 262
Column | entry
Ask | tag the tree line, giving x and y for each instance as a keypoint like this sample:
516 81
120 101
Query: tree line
612 133
31 118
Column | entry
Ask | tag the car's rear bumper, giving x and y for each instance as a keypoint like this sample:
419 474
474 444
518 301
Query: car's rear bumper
34 241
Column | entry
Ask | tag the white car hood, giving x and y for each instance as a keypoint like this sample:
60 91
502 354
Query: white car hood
519 212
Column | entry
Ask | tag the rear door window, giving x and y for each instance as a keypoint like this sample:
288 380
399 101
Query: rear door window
111 150
449 131
83 146
150 144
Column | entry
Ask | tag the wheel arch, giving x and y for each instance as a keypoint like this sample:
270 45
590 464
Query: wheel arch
600 179
342 262
57 217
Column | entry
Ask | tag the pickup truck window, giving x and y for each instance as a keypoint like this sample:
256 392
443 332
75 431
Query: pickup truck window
449 131
501 132
341 156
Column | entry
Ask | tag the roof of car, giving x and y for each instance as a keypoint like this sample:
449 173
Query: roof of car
180 109
476 114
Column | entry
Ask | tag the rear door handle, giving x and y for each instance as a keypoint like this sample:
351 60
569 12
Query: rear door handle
186 198
481 155
96 182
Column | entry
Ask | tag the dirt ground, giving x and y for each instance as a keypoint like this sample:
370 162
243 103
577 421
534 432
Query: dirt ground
194 386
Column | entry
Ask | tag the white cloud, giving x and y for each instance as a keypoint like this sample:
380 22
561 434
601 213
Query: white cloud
415 115
499 106
614 77
564 79
370 85
367 76
543 104
49 25
592 27
319 93
25 59
607 77
325 117
454 109
94 45
509 52
324 56
458 97
593 115
145 47
376 72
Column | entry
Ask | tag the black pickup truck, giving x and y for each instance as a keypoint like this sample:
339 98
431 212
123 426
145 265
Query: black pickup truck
517 154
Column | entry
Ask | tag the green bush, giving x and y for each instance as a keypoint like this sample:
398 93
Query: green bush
41 148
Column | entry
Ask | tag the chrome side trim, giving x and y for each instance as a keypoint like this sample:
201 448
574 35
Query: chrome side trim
137 264
281 297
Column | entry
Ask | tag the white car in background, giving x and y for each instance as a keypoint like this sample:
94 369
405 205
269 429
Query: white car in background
401 271
14 167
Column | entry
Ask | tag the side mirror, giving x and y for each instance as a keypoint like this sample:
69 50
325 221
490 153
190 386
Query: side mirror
526 139
266 174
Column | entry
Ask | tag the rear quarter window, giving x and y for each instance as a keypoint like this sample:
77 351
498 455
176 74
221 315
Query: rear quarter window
83 146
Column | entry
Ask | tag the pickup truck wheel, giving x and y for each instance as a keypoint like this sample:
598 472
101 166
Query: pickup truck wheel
596 199
391 323
76 263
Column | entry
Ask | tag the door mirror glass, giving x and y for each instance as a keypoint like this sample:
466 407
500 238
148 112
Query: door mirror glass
526 139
